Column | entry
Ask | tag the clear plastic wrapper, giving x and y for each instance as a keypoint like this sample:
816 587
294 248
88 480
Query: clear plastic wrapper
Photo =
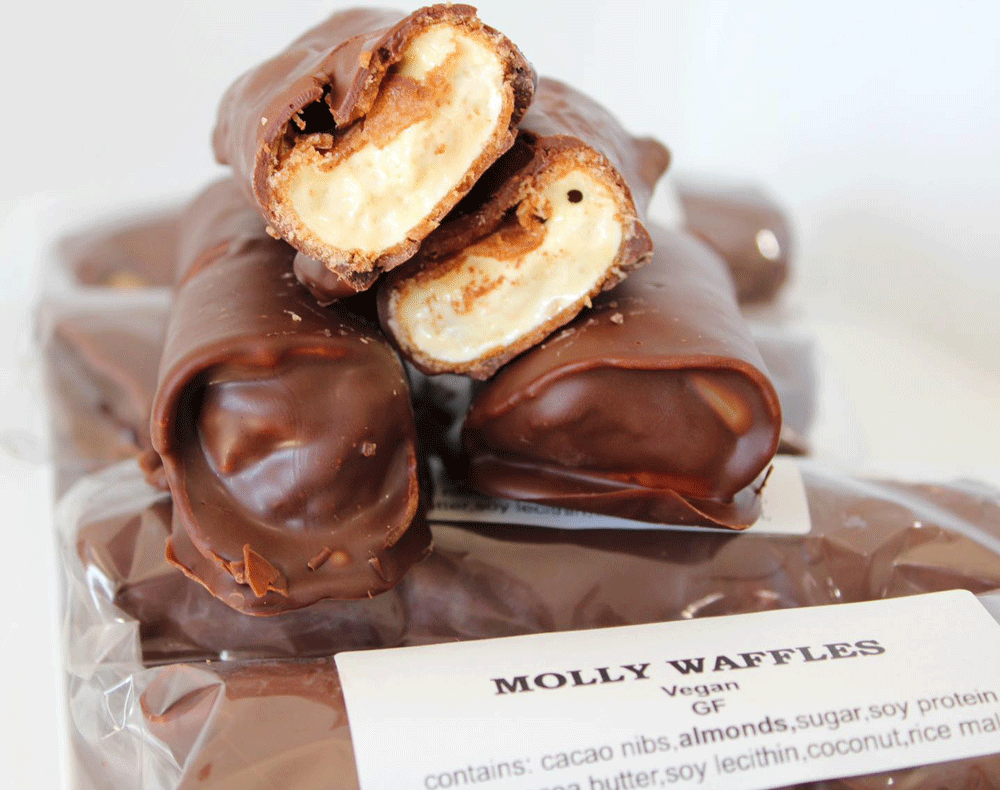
163 698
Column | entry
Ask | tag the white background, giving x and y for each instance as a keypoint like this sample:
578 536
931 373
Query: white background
876 124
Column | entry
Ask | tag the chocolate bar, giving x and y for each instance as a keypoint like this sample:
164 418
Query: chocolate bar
653 405
284 430
554 222
136 253
179 620
361 136
748 229
101 375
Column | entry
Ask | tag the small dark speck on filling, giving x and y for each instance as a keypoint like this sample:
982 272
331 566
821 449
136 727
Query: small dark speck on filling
574 195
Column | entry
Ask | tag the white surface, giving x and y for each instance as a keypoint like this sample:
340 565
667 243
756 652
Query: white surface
31 693
876 124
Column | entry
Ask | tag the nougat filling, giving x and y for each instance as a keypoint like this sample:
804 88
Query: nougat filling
365 188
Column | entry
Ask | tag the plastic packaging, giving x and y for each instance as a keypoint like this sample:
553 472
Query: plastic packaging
169 688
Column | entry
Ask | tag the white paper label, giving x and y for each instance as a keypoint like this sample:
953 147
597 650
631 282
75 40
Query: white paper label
745 702
784 507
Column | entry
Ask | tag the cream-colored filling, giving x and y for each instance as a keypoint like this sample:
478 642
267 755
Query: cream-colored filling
370 201
481 303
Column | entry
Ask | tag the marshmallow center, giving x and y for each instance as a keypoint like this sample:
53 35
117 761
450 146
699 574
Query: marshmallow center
368 201
477 303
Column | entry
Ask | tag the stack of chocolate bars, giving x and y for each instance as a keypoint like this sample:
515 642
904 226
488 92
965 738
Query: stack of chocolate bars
407 199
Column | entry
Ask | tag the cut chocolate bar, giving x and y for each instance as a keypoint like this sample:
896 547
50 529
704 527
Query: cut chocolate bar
554 222
359 138
653 405
285 430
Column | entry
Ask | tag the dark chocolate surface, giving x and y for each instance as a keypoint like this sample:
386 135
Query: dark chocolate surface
285 431
748 229
336 70
652 405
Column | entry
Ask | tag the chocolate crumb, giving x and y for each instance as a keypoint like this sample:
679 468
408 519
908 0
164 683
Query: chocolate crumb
261 575
377 567
368 449
617 318
317 562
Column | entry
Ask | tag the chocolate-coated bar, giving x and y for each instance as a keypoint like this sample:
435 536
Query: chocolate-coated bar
653 405
554 222
747 228
285 430
136 253
359 137
101 357
180 620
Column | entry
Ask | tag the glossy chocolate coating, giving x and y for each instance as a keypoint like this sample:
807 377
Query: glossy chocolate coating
179 620
335 70
563 128
652 405
138 252
285 430
748 229
327 286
